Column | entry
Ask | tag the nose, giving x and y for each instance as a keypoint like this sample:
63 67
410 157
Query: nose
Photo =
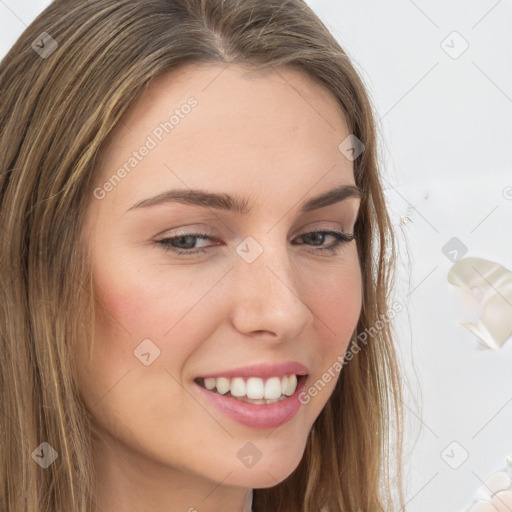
267 296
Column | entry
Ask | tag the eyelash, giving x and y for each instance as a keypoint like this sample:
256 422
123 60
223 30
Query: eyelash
341 239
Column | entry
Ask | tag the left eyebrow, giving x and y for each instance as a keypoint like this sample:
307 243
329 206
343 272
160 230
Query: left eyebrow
201 198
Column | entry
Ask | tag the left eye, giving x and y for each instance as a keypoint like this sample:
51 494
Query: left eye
184 243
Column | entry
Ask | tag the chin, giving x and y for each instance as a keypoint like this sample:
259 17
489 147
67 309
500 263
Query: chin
267 472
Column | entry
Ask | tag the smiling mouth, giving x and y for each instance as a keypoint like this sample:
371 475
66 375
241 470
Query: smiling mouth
253 390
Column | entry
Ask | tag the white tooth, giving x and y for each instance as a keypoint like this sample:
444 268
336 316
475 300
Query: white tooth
291 386
238 387
222 385
209 383
273 388
272 401
284 384
255 389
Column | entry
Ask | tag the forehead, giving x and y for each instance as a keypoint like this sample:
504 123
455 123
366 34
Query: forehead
240 86
247 128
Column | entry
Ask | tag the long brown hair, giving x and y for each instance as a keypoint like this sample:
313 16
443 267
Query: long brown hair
56 111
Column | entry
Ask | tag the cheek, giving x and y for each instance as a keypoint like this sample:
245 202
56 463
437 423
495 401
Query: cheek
336 302
132 305
131 308
336 299
136 302
126 313
122 306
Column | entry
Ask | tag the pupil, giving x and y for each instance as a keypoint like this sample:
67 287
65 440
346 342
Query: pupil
318 236
182 239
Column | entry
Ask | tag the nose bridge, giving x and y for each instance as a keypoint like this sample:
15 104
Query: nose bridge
268 297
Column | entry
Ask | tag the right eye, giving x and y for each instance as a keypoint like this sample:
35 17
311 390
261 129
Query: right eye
183 244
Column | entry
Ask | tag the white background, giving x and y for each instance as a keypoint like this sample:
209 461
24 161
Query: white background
446 130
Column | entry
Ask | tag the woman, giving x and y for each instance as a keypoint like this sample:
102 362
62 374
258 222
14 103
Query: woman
196 265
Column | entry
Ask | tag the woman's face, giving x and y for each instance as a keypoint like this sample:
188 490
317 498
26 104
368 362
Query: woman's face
259 297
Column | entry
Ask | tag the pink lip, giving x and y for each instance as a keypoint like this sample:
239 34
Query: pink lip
254 415
262 370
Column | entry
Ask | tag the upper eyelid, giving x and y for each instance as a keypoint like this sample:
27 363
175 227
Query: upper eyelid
199 233
340 240
183 231
201 236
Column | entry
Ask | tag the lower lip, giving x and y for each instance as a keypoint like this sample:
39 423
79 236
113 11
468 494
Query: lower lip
256 415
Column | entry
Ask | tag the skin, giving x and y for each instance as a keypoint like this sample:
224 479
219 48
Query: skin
272 139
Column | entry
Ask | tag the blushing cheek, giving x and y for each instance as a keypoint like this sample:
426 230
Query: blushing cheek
340 310
111 349
123 295
117 331
119 317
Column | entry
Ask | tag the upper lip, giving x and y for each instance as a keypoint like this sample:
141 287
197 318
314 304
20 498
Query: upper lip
262 370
